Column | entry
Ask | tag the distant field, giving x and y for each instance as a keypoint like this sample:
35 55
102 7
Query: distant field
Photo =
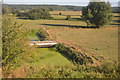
75 21
72 13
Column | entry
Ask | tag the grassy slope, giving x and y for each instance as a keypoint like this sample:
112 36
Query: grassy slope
48 57
100 41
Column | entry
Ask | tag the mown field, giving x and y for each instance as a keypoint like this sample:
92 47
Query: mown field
99 42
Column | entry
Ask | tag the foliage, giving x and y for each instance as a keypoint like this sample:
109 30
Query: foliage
37 13
14 45
97 13
60 13
68 17
11 39
14 12
74 72
42 34
75 57
49 7
22 14
5 10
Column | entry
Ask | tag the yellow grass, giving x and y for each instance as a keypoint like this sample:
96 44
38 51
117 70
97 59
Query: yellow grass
79 13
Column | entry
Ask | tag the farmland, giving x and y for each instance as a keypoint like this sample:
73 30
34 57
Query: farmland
98 42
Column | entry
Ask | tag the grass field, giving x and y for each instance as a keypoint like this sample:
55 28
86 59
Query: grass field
48 57
102 42
99 42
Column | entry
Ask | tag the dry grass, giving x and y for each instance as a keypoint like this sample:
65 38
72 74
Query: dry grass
98 41
72 13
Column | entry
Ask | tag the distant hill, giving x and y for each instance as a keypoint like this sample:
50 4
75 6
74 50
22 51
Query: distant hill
116 9
49 7
52 7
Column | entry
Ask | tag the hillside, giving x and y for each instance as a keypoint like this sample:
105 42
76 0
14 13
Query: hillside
50 7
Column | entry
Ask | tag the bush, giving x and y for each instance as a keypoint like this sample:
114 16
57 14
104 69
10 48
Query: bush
42 34
5 10
15 47
37 13
75 57
68 17
22 14
60 13
71 71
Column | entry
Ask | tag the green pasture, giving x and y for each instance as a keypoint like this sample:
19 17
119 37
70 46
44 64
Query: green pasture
49 57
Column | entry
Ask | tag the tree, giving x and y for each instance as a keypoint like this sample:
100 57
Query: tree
60 13
42 34
39 13
36 13
97 13
22 15
15 46
12 41
14 12
5 10
68 17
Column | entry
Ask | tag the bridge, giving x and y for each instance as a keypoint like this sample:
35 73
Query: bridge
43 43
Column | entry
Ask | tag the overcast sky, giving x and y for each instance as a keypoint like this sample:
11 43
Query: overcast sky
59 2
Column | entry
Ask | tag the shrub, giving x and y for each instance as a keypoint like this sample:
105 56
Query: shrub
68 17
42 34
60 13
72 71
75 57
5 10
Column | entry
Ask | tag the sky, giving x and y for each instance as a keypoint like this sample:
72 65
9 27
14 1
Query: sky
58 2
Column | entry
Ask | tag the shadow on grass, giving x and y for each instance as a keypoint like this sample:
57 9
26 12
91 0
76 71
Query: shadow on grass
24 18
116 16
77 18
115 24
72 26
65 15
118 21
72 61
66 56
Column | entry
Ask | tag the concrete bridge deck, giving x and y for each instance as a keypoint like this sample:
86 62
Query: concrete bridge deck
43 43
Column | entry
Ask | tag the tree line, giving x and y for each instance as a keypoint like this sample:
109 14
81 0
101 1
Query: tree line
37 13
